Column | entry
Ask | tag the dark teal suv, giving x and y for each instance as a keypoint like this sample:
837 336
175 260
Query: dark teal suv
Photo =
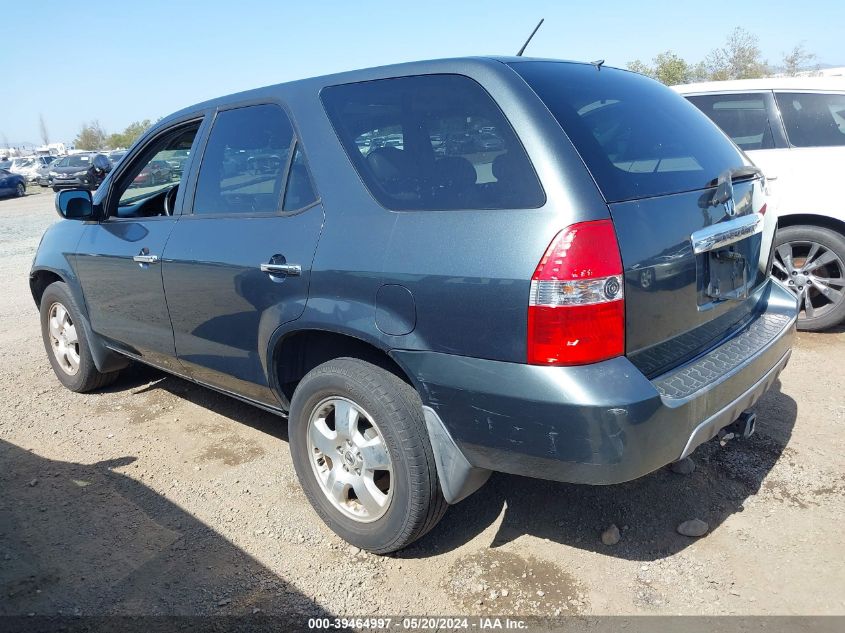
577 292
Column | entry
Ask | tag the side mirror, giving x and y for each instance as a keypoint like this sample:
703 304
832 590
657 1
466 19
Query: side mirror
102 163
75 204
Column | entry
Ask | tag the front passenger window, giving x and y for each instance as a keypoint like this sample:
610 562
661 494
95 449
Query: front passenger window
244 163
148 187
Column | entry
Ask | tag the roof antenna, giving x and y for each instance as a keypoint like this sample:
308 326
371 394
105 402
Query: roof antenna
536 28
598 63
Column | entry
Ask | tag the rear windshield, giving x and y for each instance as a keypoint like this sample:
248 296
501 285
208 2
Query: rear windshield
638 138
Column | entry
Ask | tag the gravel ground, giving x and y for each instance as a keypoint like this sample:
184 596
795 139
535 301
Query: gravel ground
160 497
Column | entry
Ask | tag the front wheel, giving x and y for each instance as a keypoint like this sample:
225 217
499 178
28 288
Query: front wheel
363 456
810 260
20 190
66 342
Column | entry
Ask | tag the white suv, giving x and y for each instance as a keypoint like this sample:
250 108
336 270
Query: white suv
794 129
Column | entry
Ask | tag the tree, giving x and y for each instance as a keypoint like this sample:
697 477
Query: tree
797 60
639 66
90 137
129 135
45 136
740 58
669 68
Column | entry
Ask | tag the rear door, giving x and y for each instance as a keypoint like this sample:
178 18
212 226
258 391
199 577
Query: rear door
656 160
238 263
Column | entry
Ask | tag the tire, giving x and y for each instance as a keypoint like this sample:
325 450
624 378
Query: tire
821 296
415 502
20 190
75 367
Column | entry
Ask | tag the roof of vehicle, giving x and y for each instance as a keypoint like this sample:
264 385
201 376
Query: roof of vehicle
457 65
800 84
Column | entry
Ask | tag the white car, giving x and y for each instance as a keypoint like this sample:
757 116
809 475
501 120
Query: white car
28 166
794 129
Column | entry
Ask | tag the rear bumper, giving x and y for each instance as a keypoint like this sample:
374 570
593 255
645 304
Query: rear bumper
603 423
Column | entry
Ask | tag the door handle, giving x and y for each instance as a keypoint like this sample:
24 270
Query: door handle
282 269
146 259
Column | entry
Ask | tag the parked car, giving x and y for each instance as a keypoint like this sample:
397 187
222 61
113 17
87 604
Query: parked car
115 156
176 161
794 128
83 171
155 172
422 321
28 166
19 164
11 184
40 173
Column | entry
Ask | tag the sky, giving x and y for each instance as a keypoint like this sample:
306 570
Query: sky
119 62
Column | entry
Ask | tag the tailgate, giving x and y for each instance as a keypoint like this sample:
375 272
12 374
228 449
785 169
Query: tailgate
686 204
691 270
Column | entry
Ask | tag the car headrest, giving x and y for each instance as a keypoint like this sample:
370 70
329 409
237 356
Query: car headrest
387 163
509 169
454 172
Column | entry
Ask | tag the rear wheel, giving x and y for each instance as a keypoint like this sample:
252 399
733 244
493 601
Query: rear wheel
810 260
362 455
66 342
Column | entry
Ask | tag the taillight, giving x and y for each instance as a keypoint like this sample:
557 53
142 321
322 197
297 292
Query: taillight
576 311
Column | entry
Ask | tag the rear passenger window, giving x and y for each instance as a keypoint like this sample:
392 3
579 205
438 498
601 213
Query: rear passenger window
743 117
299 192
432 142
244 164
813 119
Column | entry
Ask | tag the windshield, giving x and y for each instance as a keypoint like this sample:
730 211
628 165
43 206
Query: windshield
638 138
73 161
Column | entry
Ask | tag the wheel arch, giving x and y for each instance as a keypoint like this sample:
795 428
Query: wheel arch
814 219
104 359
39 279
299 351
293 353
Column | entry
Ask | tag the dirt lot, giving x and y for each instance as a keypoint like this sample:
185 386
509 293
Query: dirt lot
158 496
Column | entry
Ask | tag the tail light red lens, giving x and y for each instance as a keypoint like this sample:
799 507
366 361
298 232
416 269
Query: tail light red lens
576 310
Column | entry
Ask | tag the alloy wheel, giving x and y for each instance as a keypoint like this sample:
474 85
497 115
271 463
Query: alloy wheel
813 273
350 459
63 338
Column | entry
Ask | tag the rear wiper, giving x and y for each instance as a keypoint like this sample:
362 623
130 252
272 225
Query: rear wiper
724 183
737 173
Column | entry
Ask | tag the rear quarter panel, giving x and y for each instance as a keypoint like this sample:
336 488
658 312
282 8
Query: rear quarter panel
468 271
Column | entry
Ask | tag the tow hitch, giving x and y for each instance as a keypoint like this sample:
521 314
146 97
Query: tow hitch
743 426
